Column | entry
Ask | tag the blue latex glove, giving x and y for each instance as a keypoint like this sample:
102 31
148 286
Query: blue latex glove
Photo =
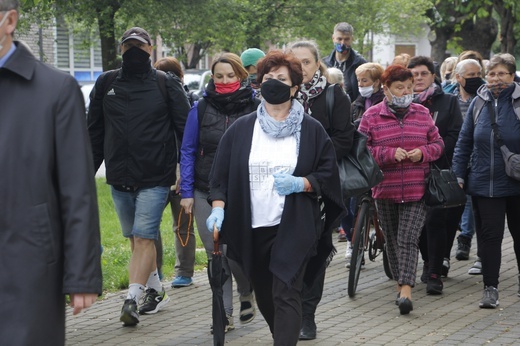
215 218
285 184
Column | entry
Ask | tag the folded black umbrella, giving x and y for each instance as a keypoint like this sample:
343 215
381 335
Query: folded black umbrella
217 277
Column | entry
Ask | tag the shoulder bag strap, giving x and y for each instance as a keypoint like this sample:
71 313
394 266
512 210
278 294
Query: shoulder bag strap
329 99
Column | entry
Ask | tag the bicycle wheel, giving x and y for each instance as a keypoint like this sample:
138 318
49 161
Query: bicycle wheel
359 237
386 264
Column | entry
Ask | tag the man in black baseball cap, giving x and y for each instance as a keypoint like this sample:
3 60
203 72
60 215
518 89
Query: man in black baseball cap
133 124
136 33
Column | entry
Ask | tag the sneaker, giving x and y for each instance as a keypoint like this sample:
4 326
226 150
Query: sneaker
129 315
153 301
342 236
489 298
182 281
247 308
425 272
463 247
445 268
347 265
229 326
348 252
476 269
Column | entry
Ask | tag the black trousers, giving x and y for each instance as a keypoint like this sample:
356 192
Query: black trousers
490 215
279 303
438 234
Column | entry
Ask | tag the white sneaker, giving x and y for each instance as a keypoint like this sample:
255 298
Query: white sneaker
348 252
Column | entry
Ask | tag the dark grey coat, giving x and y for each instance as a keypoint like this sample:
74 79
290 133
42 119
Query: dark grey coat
49 224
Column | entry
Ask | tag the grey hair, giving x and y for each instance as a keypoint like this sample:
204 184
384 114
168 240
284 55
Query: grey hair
335 76
344 28
7 5
461 66
505 59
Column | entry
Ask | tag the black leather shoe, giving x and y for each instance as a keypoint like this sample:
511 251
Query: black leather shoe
405 306
397 299
308 330
434 285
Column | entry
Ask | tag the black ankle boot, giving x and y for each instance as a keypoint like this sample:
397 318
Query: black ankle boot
434 285
308 329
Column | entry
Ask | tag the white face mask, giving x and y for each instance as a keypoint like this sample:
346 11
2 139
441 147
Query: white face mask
367 91
5 36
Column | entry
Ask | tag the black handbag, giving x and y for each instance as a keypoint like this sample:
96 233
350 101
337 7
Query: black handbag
443 189
358 171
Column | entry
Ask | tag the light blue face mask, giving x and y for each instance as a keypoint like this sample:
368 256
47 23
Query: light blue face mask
403 101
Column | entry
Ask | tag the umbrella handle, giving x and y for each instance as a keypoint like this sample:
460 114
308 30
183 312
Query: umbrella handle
215 239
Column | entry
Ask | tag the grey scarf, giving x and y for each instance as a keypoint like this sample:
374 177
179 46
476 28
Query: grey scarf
292 125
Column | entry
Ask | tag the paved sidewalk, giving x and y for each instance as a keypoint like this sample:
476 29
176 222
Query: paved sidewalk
371 318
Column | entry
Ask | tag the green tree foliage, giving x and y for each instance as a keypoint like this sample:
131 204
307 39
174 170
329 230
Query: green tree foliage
194 27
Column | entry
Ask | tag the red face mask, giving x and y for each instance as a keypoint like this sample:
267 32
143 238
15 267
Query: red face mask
229 88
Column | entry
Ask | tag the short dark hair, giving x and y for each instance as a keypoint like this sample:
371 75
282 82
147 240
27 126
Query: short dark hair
277 58
7 5
422 60
395 73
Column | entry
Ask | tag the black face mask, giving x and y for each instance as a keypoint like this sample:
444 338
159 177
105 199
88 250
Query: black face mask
275 92
447 76
472 85
136 60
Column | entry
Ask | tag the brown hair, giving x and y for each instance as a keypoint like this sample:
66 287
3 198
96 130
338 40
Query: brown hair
313 47
504 59
170 64
277 58
396 73
401 59
234 61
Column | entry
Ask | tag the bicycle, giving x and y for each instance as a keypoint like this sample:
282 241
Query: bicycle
363 240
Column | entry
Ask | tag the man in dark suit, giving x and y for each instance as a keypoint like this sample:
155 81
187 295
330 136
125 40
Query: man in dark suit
49 224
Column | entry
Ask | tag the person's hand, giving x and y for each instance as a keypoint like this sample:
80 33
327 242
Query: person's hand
187 205
178 186
400 154
415 155
215 219
80 301
285 184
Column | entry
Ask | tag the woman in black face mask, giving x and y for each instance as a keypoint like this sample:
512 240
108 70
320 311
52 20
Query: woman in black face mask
271 170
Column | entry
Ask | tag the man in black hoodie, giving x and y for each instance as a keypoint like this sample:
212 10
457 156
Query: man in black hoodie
344 57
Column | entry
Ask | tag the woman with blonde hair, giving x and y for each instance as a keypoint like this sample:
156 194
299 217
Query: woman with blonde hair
226 98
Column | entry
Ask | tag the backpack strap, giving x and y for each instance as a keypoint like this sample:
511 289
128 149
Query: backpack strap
161 80
201 110
110 77
329 100
477 108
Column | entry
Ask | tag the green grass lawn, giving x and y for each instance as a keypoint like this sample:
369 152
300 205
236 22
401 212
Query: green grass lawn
116 248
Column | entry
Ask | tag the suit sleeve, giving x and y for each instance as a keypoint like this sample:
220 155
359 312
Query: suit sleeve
77 194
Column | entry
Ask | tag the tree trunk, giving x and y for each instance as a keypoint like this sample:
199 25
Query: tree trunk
109 43
479 34
442 35
507 23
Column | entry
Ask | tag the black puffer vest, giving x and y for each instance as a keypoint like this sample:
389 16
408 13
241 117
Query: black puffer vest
212 126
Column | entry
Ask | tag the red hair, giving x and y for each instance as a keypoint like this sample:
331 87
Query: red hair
396 73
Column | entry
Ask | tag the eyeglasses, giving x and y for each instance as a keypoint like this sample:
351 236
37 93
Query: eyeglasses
423 74
499 74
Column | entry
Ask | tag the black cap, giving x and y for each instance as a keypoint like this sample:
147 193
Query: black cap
136 33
